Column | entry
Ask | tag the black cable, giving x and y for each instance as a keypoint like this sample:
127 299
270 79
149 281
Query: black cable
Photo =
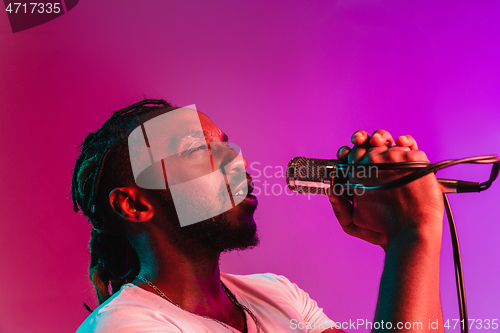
459 275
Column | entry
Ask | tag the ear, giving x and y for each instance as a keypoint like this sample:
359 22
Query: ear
131 204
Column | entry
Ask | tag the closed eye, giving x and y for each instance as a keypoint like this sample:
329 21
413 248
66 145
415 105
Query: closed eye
198 148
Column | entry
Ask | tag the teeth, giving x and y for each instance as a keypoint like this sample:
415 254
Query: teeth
241 192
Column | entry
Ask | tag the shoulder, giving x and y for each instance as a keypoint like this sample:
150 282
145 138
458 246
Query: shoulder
264 278
260 282
267 288
129 310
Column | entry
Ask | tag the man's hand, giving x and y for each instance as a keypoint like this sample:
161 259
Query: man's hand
406 222
381 216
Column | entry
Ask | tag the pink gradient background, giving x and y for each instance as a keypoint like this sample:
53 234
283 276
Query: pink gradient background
281 79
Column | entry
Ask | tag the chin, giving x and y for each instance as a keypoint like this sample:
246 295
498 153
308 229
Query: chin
232 230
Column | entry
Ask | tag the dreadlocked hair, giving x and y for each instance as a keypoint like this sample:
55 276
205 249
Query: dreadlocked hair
103 165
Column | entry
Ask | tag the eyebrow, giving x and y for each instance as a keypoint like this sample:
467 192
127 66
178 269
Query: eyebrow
198 134
210 134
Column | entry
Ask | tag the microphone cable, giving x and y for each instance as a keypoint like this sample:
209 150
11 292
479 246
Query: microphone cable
459 274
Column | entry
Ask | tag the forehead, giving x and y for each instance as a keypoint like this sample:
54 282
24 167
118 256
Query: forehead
176 122
199 125
207 123
165 132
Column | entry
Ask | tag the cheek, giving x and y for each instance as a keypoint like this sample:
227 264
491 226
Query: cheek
201 198
179 172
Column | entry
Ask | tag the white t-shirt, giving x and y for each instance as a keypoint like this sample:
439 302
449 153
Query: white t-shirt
278 304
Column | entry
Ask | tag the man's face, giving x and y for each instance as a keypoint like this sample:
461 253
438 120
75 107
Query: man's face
206 179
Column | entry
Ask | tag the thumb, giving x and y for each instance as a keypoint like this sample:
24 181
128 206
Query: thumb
342 207
343 210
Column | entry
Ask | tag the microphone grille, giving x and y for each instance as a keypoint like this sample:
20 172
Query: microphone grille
307 175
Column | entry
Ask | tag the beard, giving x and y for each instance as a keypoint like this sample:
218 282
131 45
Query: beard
221 233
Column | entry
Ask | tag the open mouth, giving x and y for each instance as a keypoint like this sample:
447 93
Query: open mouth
243 189
241 193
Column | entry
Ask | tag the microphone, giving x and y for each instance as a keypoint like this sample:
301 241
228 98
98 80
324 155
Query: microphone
316 175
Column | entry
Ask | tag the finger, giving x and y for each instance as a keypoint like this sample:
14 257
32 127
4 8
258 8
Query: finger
382 138
407 141
400 148
360 137
343 152
343 210
359 151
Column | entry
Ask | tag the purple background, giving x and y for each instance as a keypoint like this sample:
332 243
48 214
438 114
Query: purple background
281 79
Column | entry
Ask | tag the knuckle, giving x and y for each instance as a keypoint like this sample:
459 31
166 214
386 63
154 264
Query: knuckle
412 157
420 155
393 155
373 156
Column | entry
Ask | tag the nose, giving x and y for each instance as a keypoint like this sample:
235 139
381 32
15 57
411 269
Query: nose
233 162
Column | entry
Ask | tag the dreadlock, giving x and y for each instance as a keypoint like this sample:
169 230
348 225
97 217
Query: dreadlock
101 167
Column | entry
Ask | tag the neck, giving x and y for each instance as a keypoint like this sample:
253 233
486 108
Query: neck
185 271
189 275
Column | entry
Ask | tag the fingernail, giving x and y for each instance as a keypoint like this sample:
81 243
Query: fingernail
377 136
356 136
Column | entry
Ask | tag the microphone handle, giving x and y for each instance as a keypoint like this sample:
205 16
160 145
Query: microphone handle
458 186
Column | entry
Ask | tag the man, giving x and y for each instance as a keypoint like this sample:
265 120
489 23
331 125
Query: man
166 194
